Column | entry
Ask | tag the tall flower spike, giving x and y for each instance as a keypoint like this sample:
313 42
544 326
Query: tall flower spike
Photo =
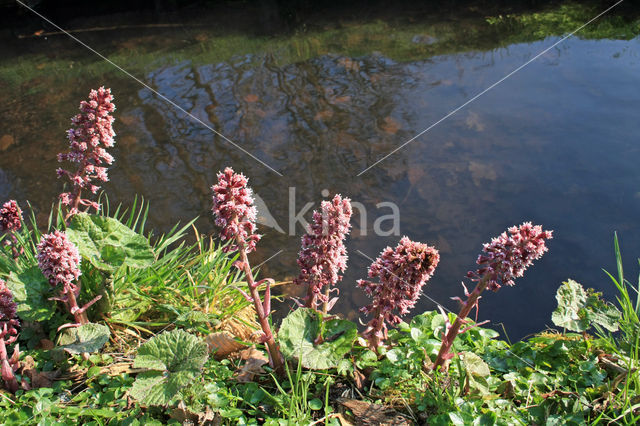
10 217
234 210
505 258
8 334
323 255
401 273
91 133
235 214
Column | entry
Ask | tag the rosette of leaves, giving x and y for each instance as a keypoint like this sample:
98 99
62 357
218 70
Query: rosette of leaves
318 343
578 310
173 360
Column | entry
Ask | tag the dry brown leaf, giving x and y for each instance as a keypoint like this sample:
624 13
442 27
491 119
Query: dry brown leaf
38 379
222 344
367 414
182 414
254 360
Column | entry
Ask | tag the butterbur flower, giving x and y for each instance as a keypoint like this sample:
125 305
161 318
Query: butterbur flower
234 211
235 214
8 334
323 255
8 307
58 259
401 272
10 217
91 133
506 257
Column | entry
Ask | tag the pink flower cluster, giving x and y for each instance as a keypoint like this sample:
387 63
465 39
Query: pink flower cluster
8 334
58 259
8 313
234 211
10 217
323 255
401 273
506 258
90 135
509 255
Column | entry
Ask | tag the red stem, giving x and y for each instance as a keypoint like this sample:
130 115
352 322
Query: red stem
275 356
79 314
9 378
372 337
78 190
447 341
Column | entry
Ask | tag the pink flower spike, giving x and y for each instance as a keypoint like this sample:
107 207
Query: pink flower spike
510 254
402 272
234 211
505 258
92 132
10 217
58 259
323 255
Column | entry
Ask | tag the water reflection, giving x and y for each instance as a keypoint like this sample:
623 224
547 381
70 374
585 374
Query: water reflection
555 144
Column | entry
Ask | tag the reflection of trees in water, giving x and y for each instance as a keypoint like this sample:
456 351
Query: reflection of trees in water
319 122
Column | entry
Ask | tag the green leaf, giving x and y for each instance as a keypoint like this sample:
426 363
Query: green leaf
86 338
571 299
579 309
477 373
174 359
108 244
31 292
298 338
316 404
475 365
601 313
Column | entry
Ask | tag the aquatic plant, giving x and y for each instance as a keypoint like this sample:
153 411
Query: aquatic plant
323 255
59 261
402 272
91 133
505 258
8 334
11 222
235 213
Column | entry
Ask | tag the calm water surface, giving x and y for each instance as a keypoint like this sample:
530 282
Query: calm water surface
557 144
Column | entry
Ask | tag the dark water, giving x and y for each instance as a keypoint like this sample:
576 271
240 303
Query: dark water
556 144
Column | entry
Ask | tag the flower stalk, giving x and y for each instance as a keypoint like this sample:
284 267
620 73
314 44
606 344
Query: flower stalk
505 259
8 335
235 213
91 133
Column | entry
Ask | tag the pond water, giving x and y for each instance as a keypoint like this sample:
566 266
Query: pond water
556 143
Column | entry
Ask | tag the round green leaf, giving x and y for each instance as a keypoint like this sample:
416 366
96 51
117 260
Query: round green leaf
298 338
108 244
